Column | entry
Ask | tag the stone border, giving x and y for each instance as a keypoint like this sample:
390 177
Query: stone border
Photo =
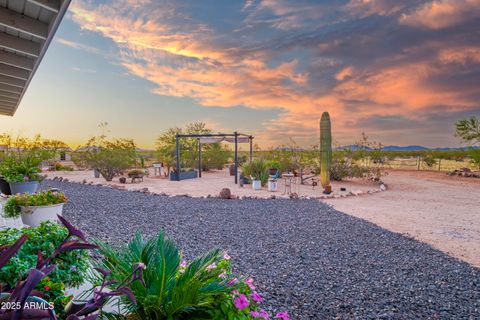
382 187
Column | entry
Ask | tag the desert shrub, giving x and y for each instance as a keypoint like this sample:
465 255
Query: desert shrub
345 167
474 155
71 266
110 157
15 169
429 160
215 157
60 167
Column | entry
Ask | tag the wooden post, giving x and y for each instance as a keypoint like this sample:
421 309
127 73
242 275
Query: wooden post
236 157
439 164
418 163
178 156
199 158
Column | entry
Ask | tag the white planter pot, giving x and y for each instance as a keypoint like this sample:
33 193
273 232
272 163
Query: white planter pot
256 184
272 185
33 216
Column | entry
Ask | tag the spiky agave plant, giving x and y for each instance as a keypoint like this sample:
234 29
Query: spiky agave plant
166 292
325 151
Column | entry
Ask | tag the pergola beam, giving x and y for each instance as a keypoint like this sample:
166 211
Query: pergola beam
20 45
52 5
22 23
8 94
15 60
10 71
9 88
12 81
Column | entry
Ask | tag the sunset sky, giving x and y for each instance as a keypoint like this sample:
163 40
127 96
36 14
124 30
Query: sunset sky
401 71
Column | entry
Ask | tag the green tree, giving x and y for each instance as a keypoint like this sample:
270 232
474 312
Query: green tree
468 130
110 157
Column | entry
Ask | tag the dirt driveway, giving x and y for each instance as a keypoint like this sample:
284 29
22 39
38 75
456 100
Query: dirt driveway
430 206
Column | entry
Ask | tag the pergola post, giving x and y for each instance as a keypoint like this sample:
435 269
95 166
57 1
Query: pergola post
251 147
199 158
178 156
236 157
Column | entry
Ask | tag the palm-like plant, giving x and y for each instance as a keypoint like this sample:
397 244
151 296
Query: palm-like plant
166 293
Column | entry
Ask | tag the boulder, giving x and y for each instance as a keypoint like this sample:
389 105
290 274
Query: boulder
225 193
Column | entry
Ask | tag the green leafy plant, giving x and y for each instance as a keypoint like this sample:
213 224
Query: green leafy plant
21 170
110 157
12 207
257 169
468 130
168 292
474 155
55 291
71 266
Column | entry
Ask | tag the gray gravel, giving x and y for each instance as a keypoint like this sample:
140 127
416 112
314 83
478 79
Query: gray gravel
305 257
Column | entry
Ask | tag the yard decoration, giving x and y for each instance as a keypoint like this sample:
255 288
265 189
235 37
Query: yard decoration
325 152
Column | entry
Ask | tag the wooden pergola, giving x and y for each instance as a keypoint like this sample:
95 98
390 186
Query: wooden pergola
26 29
205 138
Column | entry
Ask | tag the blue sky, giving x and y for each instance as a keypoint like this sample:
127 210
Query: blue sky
401 71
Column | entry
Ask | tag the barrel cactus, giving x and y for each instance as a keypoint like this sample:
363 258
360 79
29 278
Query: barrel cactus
325 151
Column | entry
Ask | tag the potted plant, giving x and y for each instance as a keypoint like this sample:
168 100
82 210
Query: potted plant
35 208
22 175
258 171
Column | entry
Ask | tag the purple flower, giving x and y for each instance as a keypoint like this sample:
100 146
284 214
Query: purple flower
256 297
226 256
282 315
183 264
222 275
241 302
73 269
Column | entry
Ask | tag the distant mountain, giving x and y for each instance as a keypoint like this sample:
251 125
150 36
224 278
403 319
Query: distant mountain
355 147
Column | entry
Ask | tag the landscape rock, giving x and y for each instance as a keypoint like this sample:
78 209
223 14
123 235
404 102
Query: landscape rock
225 193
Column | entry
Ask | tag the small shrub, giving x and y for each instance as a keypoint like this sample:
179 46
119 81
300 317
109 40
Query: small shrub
257 169
12 206
71 266
429 160
474 155
59 167
21 170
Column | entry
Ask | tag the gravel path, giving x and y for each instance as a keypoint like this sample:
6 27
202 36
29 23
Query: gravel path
306 257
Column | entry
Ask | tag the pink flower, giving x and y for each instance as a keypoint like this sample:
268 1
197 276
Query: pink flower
183 264
233 282
222 275
212 266
226 256
282 315
241 302
256 297
235 292
249 282
262 314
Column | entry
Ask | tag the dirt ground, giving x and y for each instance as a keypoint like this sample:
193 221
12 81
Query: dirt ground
432 207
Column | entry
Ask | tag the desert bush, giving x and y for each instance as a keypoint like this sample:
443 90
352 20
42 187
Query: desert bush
474 155
110 157
345 167
429 160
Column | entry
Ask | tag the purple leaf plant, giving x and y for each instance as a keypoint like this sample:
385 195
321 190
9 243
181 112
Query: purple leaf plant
75 240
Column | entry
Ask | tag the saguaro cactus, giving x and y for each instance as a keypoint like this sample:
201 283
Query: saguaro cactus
325 151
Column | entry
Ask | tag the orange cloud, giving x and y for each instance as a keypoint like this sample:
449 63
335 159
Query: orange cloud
441 14
184 58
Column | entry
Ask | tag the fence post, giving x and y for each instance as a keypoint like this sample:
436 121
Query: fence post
439 164
418 163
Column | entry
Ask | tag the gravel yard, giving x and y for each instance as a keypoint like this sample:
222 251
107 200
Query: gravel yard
316 262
